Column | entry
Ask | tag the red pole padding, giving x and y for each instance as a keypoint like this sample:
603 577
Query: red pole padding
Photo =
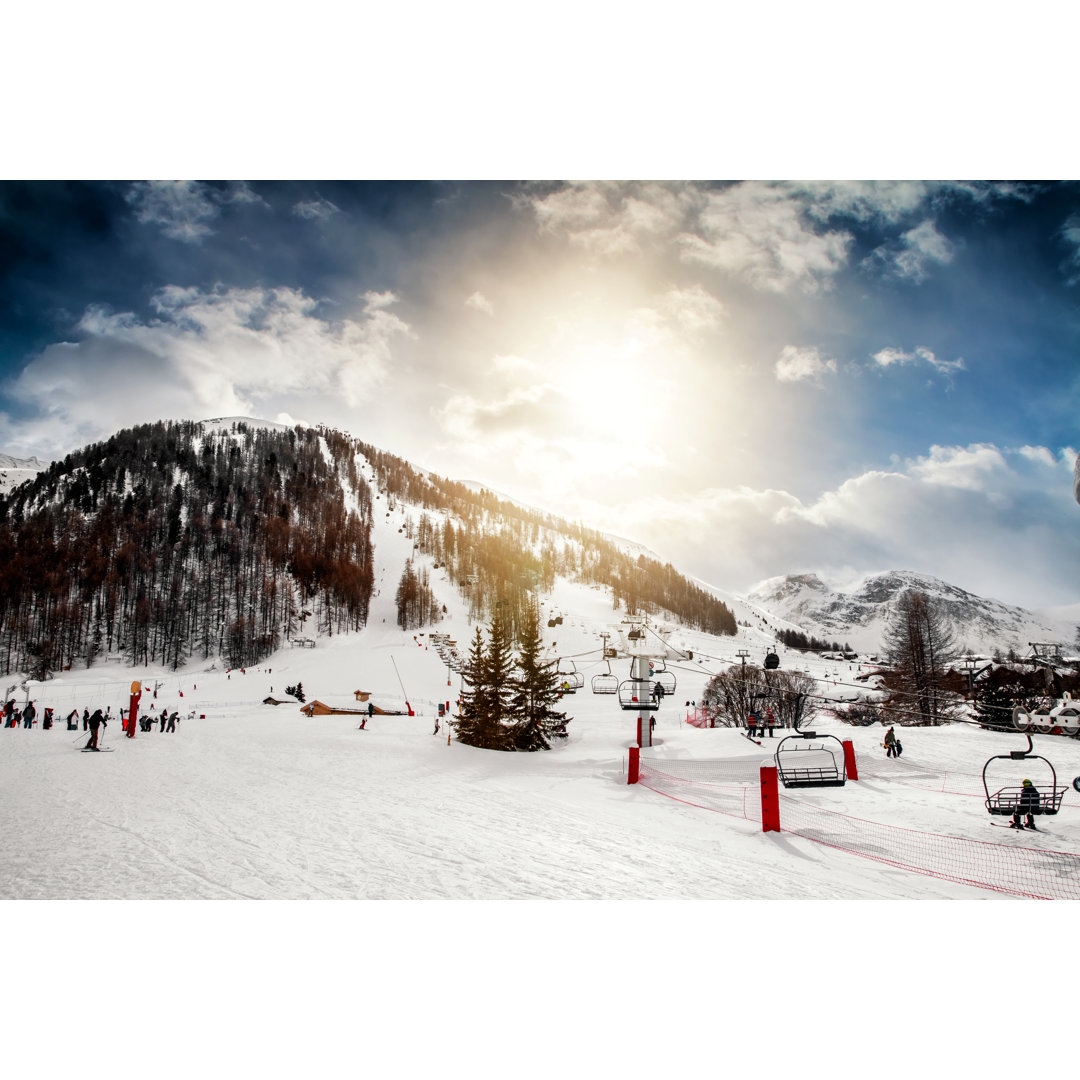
632 771
770 800
850 767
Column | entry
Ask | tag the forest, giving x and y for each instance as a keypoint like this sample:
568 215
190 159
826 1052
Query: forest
180 540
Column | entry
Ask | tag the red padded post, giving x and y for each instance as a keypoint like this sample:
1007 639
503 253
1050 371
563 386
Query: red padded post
850 767
770 800
632 770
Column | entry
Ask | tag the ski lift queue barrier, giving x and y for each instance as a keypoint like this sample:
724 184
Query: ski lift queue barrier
1004 868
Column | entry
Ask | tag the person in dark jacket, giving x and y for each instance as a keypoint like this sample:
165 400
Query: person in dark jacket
96 721
172 720
86 719
890 743
1028 804
28 715
46 720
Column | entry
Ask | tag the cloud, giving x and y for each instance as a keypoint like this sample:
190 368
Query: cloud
912 256
759 232
806 364
693 309
183 209
479 302
1070 233
223 352
891 356
988 519
317 209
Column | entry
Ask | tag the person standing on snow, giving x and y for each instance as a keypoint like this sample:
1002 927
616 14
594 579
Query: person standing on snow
890 743
1028 804
171 726
73 720
96 721
28 715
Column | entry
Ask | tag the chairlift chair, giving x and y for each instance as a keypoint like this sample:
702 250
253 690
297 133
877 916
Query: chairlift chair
1006 800
605 683
809 761
629 696
666 680
772 661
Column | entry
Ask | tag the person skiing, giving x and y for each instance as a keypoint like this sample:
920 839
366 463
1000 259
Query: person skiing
1028 804
96 721
890 743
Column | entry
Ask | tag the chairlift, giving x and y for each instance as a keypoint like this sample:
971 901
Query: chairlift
605 683
569 680
665 680
629 697
1006 800
810 761
772 661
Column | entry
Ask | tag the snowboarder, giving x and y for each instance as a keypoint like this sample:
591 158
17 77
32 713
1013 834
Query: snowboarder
96 721
890 743
1028 804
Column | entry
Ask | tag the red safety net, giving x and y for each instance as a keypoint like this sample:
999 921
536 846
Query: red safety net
1019 871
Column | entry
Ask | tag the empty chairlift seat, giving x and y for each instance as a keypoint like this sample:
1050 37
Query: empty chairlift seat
807 759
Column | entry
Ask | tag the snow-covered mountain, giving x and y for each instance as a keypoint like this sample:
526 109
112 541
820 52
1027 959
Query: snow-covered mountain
859 615
13 470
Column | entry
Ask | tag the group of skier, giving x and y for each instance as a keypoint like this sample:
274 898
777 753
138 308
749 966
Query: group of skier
94 722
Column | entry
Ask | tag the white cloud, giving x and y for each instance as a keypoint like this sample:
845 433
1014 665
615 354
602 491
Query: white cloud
914 253
759 232
1038 453
891 356
479 302
317 209
990 520
694 309
1070 233
803 364
184 209
228 352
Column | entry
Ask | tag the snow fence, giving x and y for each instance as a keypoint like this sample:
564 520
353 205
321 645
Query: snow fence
730 786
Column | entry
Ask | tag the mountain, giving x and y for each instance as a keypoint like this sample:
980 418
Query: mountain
232 537
13 471
860 614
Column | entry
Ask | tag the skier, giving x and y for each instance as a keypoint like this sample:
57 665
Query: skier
164 719
658 693
890 743
171 726
1028 804
96 721
436 731
28 714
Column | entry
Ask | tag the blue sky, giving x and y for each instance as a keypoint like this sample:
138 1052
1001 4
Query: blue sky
752 378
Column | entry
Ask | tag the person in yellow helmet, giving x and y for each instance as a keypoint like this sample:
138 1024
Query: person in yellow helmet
1028 804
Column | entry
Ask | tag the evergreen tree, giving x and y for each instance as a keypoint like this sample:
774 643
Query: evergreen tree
536 689
993 705
480 722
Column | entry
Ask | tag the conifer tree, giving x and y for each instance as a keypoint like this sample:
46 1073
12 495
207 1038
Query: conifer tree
536 689
483 704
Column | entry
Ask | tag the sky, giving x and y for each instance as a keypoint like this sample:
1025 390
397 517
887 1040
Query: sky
752 378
